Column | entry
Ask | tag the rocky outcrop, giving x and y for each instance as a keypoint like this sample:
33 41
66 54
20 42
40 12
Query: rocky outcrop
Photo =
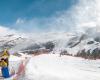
95 54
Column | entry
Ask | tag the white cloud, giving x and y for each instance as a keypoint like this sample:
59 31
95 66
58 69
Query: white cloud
80 16
3 29
19 21
6 31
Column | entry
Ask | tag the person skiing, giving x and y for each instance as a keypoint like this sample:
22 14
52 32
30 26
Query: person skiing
4 69
4 63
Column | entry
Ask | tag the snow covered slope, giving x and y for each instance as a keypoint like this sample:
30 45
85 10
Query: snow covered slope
53 67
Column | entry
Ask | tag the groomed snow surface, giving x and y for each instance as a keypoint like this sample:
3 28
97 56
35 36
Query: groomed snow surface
53 67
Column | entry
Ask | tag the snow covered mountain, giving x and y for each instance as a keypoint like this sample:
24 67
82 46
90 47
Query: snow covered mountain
71 43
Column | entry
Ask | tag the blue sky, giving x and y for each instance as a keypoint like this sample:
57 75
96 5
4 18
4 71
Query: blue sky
12 10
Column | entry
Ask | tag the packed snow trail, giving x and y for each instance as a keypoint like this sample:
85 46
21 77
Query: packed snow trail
53 67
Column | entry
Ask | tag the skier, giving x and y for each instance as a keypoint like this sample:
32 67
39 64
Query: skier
4 69
4 63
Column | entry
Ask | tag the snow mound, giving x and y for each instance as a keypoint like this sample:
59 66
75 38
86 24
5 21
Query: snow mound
14 58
